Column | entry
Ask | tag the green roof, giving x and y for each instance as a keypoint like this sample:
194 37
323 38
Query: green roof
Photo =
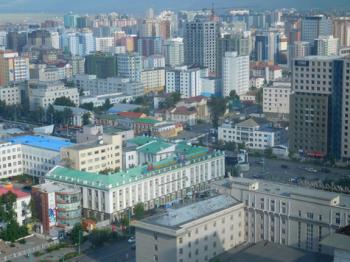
153 147
141 140
105 182
147 121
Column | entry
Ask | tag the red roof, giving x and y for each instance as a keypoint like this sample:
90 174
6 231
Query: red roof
17 192
131 114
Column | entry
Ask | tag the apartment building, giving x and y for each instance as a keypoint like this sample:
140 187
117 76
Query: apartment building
250 133
10 95
109 196
286 214
153 80
42 94
13 68
10 160
195 232
96 156
39 154
276 98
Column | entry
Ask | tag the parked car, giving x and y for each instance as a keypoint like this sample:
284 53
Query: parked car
131 240
311 170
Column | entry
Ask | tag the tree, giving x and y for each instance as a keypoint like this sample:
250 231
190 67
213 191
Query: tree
88 106
86 118
7 212
67 115
76 233
139 211
218 107
259 96
33 209
99 236
107 105
64 101
233 95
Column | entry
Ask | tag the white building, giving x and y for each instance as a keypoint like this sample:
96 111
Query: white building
276 97
96 86
10 95
10 160
39 153
99 100
42 94
326 45
174 52
108 196
154 61
13 68
184 80
45 73
21 206
235 74
288 215
105 44
249 133
297 50
78 114
194 232
130 66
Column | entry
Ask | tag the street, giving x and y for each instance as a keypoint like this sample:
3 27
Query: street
114 252
283 171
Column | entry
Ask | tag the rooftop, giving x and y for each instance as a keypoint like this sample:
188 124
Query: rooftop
45 142
175 217
147 121
154 147
18 193
55 187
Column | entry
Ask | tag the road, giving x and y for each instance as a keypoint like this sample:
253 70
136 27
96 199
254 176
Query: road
273 170
116 252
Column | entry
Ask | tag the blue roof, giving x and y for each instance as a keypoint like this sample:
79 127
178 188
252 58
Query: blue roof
45 142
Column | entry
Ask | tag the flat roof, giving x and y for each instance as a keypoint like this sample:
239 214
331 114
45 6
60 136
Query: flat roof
287 190
45 142
154 147
52 187
175 217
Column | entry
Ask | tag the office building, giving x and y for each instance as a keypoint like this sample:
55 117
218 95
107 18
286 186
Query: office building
70 20
110 86
313 27
288 215
153 61
153 80
13 68
78 65
196 232
109 196
3 40
200 44
86 43
49 73
102 65
130 66
39 154
326 46
184 80
57 205
250 133
341 30
174 52
147 46
96 156
298 49
21 205
42 94
235 74
16 41
105 44
276 98
266 46
319 117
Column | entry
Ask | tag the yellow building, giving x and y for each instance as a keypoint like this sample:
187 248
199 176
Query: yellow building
100 156
13 68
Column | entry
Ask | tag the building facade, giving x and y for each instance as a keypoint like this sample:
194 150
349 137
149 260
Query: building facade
276 98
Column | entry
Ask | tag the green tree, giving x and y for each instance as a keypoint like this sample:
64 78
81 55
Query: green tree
99 236
259 96
139 211
86 118
7 212
233 95
33 209
218 107
107 105
76 233
64 101
88 106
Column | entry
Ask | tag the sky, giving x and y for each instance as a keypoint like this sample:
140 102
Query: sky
139 6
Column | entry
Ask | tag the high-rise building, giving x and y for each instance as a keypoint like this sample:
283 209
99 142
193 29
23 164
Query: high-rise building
341 30
326 45
238 42
101 65
13 68
70 20
174 52
39 38
130 66
319 107
16 41
3 40
147 46
184 80
235 74
313 27
266 46
78 65
297 50
200 44
86 43
105 44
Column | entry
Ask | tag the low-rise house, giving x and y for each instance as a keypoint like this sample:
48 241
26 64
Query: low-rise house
78 114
